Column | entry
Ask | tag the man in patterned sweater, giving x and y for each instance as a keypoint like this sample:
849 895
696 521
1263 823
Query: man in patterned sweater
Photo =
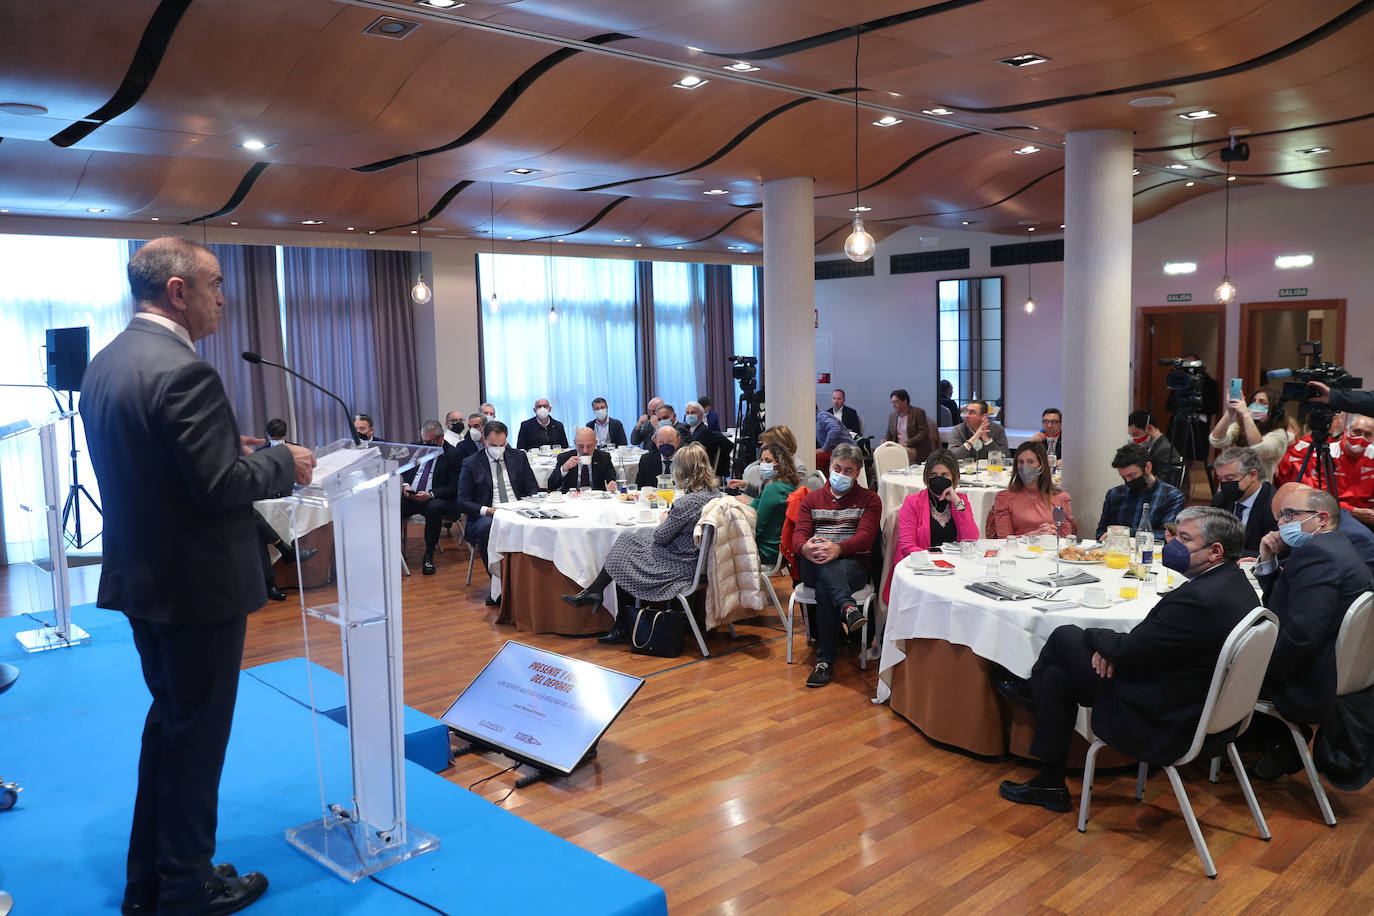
836 526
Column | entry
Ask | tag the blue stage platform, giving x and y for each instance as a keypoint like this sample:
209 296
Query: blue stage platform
69 734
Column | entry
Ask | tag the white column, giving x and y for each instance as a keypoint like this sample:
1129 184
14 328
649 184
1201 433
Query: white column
1097 314
789 310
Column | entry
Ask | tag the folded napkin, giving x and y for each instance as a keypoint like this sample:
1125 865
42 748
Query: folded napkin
1055 606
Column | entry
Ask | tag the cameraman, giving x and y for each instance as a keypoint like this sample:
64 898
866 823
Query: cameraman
1361 402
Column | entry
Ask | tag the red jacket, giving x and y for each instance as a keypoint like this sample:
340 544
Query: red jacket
1354 473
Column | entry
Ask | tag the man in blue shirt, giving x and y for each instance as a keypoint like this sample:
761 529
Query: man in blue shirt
1122 505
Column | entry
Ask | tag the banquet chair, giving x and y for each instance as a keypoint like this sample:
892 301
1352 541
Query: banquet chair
806 597
708 542
1226 713
889 456
815 480
1354 672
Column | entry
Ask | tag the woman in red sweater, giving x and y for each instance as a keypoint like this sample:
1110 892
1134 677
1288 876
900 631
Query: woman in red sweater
934 516
1027 505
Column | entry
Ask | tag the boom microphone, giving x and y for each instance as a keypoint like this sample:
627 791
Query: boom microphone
1279 373
257 360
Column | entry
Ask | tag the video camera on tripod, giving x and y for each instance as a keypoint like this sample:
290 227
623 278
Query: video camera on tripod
749 413
1319 416
1186 382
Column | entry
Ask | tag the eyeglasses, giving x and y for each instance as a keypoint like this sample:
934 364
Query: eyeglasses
1288 515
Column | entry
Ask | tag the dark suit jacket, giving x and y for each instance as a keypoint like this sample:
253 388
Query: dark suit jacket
465 450
1259 522
717 447
650 466
1310 594
533 435
1164 665
1361 538
712 420
849 419
443 476
180 538
603 471
475 486
643 435
615 430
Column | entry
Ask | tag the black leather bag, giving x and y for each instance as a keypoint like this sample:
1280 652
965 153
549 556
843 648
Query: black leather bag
658 633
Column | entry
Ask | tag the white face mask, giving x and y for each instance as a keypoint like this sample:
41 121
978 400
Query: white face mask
476 433
541 412
494 452
601 413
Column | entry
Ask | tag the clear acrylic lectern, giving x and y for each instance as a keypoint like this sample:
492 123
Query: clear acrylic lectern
33 527
360 485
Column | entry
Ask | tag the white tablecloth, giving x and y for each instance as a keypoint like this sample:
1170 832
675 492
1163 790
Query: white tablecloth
1010 633
577 546
278 515
895 486
543 465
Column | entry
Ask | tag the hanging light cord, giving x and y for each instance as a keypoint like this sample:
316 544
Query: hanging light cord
1226 232
856 123
419 217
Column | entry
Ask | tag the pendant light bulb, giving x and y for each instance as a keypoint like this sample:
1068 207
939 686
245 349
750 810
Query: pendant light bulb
1030 306
420 293
1226 291
859 246
494 305
553 315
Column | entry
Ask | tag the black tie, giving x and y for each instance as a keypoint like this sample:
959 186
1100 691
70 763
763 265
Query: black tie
1239 509
586 477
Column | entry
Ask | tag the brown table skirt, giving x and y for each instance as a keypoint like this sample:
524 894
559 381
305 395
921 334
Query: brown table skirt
319 569
530 590
944 690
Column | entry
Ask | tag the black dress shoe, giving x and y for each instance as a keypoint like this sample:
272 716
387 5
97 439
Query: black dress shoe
584 598
219 896
275 593
1023 793
428 566
305 555
1280 760
617 635
141 899
1016 689
493 602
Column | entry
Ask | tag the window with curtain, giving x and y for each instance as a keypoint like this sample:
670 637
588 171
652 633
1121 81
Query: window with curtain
588 352
678 333
744 287
970 329
52 282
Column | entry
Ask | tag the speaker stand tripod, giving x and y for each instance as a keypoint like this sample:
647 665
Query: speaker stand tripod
71 509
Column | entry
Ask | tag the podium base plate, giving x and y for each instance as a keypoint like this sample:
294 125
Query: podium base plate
342 847
48 638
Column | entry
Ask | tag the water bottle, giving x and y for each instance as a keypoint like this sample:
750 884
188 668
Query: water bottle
1145 537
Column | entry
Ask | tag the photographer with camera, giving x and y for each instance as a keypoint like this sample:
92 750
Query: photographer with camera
1355 402
1260 425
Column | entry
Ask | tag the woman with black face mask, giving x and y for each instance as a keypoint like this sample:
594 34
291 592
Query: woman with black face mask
934 516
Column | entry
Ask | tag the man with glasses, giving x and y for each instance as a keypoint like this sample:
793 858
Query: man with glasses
1241 491
1051 425
1310 574
978 434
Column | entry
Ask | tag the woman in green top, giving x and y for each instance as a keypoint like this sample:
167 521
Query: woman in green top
779 475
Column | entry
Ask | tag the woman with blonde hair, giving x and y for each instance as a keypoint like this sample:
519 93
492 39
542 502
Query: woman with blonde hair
1027 505
655 564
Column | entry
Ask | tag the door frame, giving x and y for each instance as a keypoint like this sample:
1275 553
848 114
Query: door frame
1140 382
1247 321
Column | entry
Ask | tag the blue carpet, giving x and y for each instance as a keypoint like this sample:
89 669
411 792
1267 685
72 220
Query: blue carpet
69 734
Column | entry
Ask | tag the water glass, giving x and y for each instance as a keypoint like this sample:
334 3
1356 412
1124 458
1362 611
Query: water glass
968 550
982 465
1007 568
1009 547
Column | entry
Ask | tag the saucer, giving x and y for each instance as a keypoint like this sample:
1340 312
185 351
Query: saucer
1096 607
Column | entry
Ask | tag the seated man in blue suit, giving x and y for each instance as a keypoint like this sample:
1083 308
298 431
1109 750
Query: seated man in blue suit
493 475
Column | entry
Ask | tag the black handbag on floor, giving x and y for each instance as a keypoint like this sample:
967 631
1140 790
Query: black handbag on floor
658 632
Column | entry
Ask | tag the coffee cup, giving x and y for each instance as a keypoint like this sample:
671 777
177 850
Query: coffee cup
646 516
556 497
919 559
1094 596
584 460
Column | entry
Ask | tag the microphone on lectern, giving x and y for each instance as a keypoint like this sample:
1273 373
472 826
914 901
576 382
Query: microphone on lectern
257 360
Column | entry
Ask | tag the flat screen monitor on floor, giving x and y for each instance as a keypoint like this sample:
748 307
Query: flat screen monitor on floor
540 707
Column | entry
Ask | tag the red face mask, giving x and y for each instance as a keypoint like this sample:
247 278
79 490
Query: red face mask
1142 440
1356 445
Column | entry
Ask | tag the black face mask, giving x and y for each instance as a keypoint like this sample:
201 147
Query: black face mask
1137 484
939 486
1230 491
456 426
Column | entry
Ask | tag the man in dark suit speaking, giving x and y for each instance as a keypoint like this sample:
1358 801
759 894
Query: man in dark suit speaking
494 475
1146 687
584 465
182 561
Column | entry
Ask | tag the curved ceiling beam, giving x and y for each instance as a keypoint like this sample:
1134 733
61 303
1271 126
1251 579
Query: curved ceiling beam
1323 31
585 226
724 150
504 103
157 35
913 160
1162 184
1259 133
975 209
444 200
834 35
1325 168
237 197
731 222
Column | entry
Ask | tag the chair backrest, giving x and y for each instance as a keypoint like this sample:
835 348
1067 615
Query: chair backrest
1237 677
708 542
889 456
1355 647
750 476
815 480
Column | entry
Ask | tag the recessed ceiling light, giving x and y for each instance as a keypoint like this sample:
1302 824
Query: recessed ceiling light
1151 101
967 222
1061 225
414 232
1189 184
440 4
1023 60
559 240
22 109
1289 261
95 209
638 245
740 66
1135 172
887 121
1230 177
1176 166
521 171
311 222
621 240
715 191
859 209
1315 150
690 81
1174 268
155 219
350 228
391 27
1026 150
255 145
937 111
233 222
1201 114
4 211
1030 228
679 247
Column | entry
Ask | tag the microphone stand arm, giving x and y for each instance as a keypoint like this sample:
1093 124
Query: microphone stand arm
348 414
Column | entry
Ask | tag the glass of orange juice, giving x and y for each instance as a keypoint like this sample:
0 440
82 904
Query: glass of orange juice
1130 587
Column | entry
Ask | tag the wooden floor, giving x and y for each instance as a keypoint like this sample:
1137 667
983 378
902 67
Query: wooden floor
737 789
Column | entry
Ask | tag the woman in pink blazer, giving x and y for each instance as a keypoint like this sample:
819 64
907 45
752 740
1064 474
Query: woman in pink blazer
934 516
1027 505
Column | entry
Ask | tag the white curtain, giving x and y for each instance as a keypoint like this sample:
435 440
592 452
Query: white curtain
51 282
589 352
679 333
743 278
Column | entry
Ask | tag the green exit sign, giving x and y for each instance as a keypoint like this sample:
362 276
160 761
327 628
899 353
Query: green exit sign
1293 292
1179 297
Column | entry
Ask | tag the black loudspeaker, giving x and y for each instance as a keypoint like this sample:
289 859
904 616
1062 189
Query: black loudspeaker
69 350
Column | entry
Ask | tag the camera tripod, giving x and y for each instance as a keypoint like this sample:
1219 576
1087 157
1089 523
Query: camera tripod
71 509
1184 442
749 416
1324 472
